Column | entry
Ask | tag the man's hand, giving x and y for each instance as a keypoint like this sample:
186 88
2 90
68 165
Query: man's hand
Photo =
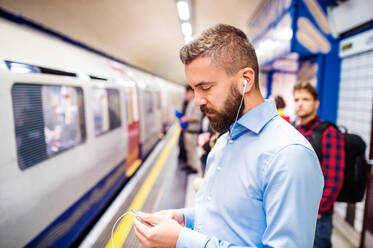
183 119
174 214
188 119
164 233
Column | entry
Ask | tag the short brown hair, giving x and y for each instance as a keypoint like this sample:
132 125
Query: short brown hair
308 87
227 47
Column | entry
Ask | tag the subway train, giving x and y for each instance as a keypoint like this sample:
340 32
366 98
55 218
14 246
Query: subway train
75 125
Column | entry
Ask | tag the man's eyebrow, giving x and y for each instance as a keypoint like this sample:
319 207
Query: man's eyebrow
202 84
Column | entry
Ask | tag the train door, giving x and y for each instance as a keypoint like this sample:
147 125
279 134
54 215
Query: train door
159 112
133 159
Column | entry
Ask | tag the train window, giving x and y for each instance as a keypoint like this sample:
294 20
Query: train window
106 109
48 119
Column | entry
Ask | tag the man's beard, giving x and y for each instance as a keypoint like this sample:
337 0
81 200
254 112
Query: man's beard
305 115
221 121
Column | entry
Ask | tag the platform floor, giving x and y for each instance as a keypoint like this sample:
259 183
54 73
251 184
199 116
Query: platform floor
159 184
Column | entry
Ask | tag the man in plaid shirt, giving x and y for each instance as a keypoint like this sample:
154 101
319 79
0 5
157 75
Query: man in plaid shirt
332 162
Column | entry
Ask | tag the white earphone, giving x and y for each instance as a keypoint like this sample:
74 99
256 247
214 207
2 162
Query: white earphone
244 87
238 112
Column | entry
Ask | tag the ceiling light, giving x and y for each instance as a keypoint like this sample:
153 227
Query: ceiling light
186 28
284 34
188 39
183 10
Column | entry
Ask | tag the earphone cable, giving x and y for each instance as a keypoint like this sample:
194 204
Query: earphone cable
238 112
112 230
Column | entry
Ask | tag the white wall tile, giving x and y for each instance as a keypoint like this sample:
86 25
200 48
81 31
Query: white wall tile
355 108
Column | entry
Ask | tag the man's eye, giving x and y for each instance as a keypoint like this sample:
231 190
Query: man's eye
206 88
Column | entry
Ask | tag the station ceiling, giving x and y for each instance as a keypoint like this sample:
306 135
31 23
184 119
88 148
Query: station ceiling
145 33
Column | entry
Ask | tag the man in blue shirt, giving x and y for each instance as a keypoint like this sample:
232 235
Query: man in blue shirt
264 183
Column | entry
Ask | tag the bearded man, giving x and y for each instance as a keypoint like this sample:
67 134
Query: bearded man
263 183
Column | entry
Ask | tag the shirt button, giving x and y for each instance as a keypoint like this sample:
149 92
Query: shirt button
209 198
219 168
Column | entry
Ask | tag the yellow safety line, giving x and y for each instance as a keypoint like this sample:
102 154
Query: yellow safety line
125 225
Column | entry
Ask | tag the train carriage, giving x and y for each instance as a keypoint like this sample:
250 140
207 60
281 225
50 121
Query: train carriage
73 131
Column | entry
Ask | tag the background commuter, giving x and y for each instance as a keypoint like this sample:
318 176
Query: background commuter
280 105
263 183
182 152
193 116
332 162
204 142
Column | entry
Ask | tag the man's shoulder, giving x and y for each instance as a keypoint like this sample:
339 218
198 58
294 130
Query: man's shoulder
288 144
291 135
278 134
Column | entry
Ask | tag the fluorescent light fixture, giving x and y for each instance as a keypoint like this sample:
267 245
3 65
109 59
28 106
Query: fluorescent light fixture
183 10
268 45
284 34
259 52
186 28
188 39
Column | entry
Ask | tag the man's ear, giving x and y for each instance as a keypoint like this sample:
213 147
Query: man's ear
248 75
317 103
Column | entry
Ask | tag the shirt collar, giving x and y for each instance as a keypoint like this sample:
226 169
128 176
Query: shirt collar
255 119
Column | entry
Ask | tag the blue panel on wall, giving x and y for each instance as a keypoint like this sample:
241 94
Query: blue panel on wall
331 78
313 38
312 31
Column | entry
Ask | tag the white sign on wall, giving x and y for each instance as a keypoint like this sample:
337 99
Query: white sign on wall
362 42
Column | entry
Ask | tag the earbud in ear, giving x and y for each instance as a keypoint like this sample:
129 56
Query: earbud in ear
244 87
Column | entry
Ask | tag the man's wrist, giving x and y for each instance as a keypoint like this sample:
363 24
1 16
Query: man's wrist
190 238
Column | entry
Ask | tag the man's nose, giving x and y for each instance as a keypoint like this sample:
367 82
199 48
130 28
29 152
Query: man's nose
199 100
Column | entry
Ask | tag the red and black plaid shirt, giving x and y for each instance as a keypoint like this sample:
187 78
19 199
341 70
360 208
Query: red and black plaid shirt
332 163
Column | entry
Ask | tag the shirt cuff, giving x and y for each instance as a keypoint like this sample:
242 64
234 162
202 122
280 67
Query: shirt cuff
190 239
189 217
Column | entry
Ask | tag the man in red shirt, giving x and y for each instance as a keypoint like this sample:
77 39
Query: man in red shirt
332 161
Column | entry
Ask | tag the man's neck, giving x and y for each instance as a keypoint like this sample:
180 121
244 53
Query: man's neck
306 120
252 99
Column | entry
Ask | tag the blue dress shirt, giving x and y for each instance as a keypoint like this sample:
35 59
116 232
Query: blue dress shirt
262 188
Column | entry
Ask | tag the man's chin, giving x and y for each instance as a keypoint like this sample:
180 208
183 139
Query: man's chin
212 117
218 127
304 116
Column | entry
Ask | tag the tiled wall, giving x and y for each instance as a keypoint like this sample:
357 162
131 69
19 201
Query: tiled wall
355 108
